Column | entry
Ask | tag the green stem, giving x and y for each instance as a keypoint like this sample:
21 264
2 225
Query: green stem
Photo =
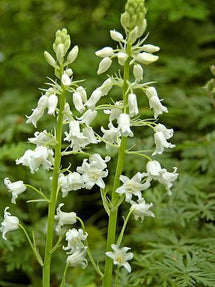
89 251
64 275
111 234
123 228
36 253
54 192
37 190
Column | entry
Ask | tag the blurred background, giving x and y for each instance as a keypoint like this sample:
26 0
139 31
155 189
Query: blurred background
177 247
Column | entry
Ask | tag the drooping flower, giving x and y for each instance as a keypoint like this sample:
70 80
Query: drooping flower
106 86
78 102
9 223
52 104
42 138
41 156
124 125
132 104
141 209
154 102
16 188
132 186
111 135
114 112
154 171
94 98
88 117
75 238
78 258
64 218
120 257
161 142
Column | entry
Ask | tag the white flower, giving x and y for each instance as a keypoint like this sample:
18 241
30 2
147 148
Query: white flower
115 111
150 48
42 103
146 58
64 218
75 238
124 125
104 65
35 117
81 90
90 135
93 171
122 58
77 101
116 36
161 135
154 171
138 72
41 138
10 223
106 86
66 81
41 156
132 186
16 188
141 209
78 258
161 143
154 102
94 98
132 104
88 117
111 135
72 181
120 257
52 104
105 52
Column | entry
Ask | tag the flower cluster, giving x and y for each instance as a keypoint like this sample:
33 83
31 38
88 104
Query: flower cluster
76 248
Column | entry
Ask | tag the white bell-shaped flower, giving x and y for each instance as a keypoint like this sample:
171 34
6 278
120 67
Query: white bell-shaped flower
124 125
78 258
16 188
120 256
132 104
141 209
71 182
41 138
81 90
77 101
88 117
106 86
52 104
64 218
66 80
154 102
35 117
94 98
9 223
161 143
74 238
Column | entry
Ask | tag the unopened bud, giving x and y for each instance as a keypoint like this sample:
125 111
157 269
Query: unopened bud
72 54
104 65
138 72
133 35
116 36
105 52
60 53
150 48
50 60
146 58
122 57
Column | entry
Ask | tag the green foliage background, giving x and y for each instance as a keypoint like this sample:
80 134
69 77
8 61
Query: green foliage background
177 247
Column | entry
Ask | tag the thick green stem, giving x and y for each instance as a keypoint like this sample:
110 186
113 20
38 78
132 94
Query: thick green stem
111 234
53 196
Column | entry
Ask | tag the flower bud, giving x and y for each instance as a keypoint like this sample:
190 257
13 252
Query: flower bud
150 48
106 86
94 98
81 90
138 72
116 36
122 57
146 58
104 65
133 35
66 81
125 20
67 45
105 52
60 53
72 54
124 125
50 60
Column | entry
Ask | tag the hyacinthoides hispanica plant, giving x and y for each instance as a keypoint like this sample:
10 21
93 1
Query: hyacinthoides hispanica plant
77 115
